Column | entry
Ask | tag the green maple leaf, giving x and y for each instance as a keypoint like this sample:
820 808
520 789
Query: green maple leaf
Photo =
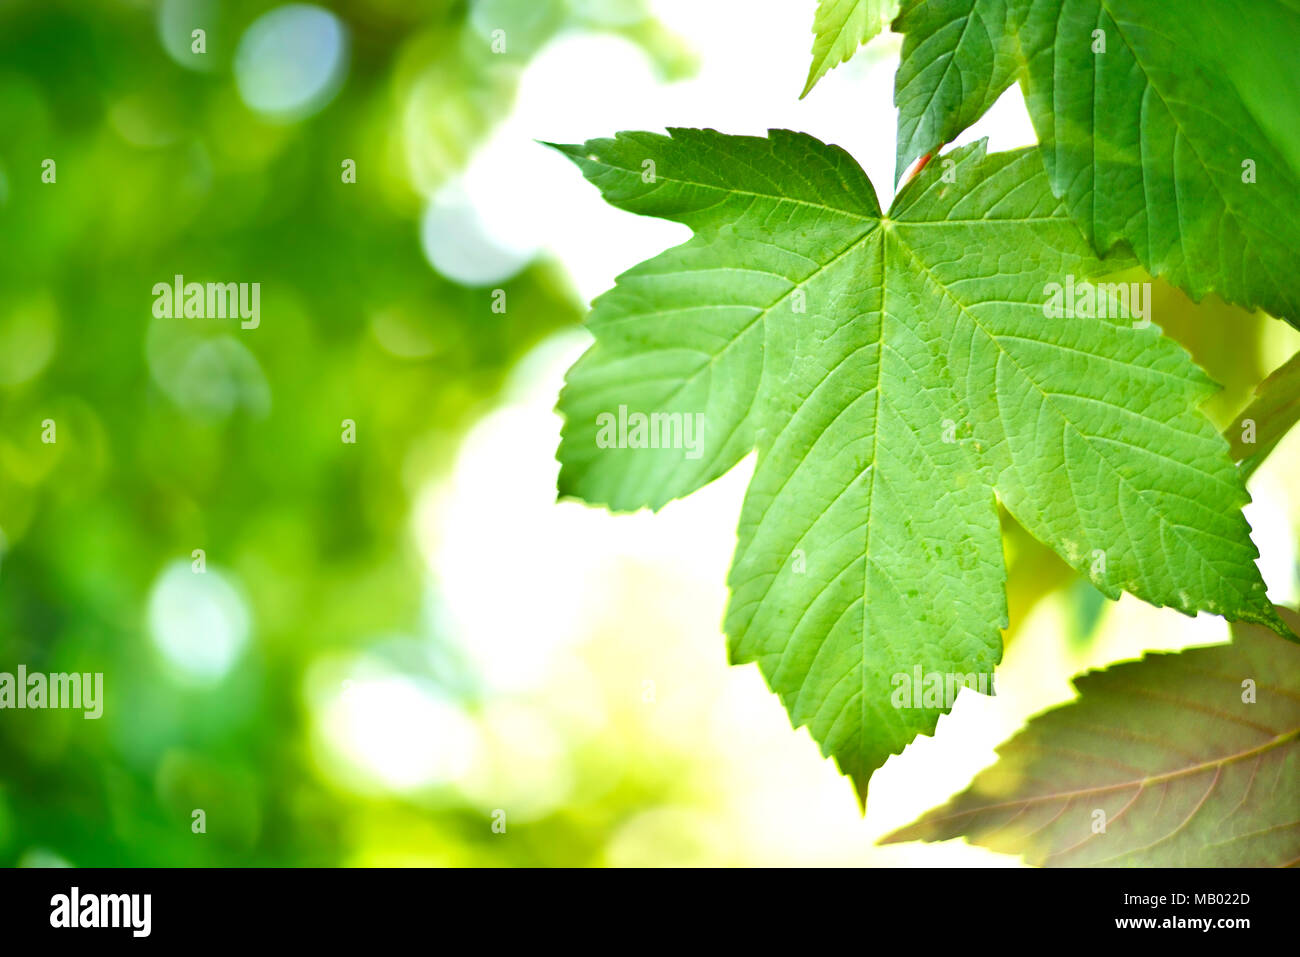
839 28
1171 131
1183 768
958 58
892 373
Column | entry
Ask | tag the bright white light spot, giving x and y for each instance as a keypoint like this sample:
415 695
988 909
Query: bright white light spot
465 246
1270 528
501 548
522 765
198 621
400 734
1006 124
291 61
553 206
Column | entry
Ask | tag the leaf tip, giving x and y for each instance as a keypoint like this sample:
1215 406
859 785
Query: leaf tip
898 836
571 150
1282 626
860 791
813 77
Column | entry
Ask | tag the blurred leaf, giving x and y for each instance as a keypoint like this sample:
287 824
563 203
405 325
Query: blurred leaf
1034 571
179 435
1222 338
1087 605
1263 423
1187 759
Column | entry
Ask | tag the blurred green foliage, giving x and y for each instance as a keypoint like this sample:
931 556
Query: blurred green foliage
175 436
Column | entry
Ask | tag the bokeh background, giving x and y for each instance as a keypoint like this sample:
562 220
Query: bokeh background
398 642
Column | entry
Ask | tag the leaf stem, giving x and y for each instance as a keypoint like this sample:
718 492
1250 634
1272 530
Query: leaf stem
1268 417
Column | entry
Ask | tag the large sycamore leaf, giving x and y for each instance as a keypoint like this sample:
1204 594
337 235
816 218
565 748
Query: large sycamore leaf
1184 759
893 373
839 28
1171 129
